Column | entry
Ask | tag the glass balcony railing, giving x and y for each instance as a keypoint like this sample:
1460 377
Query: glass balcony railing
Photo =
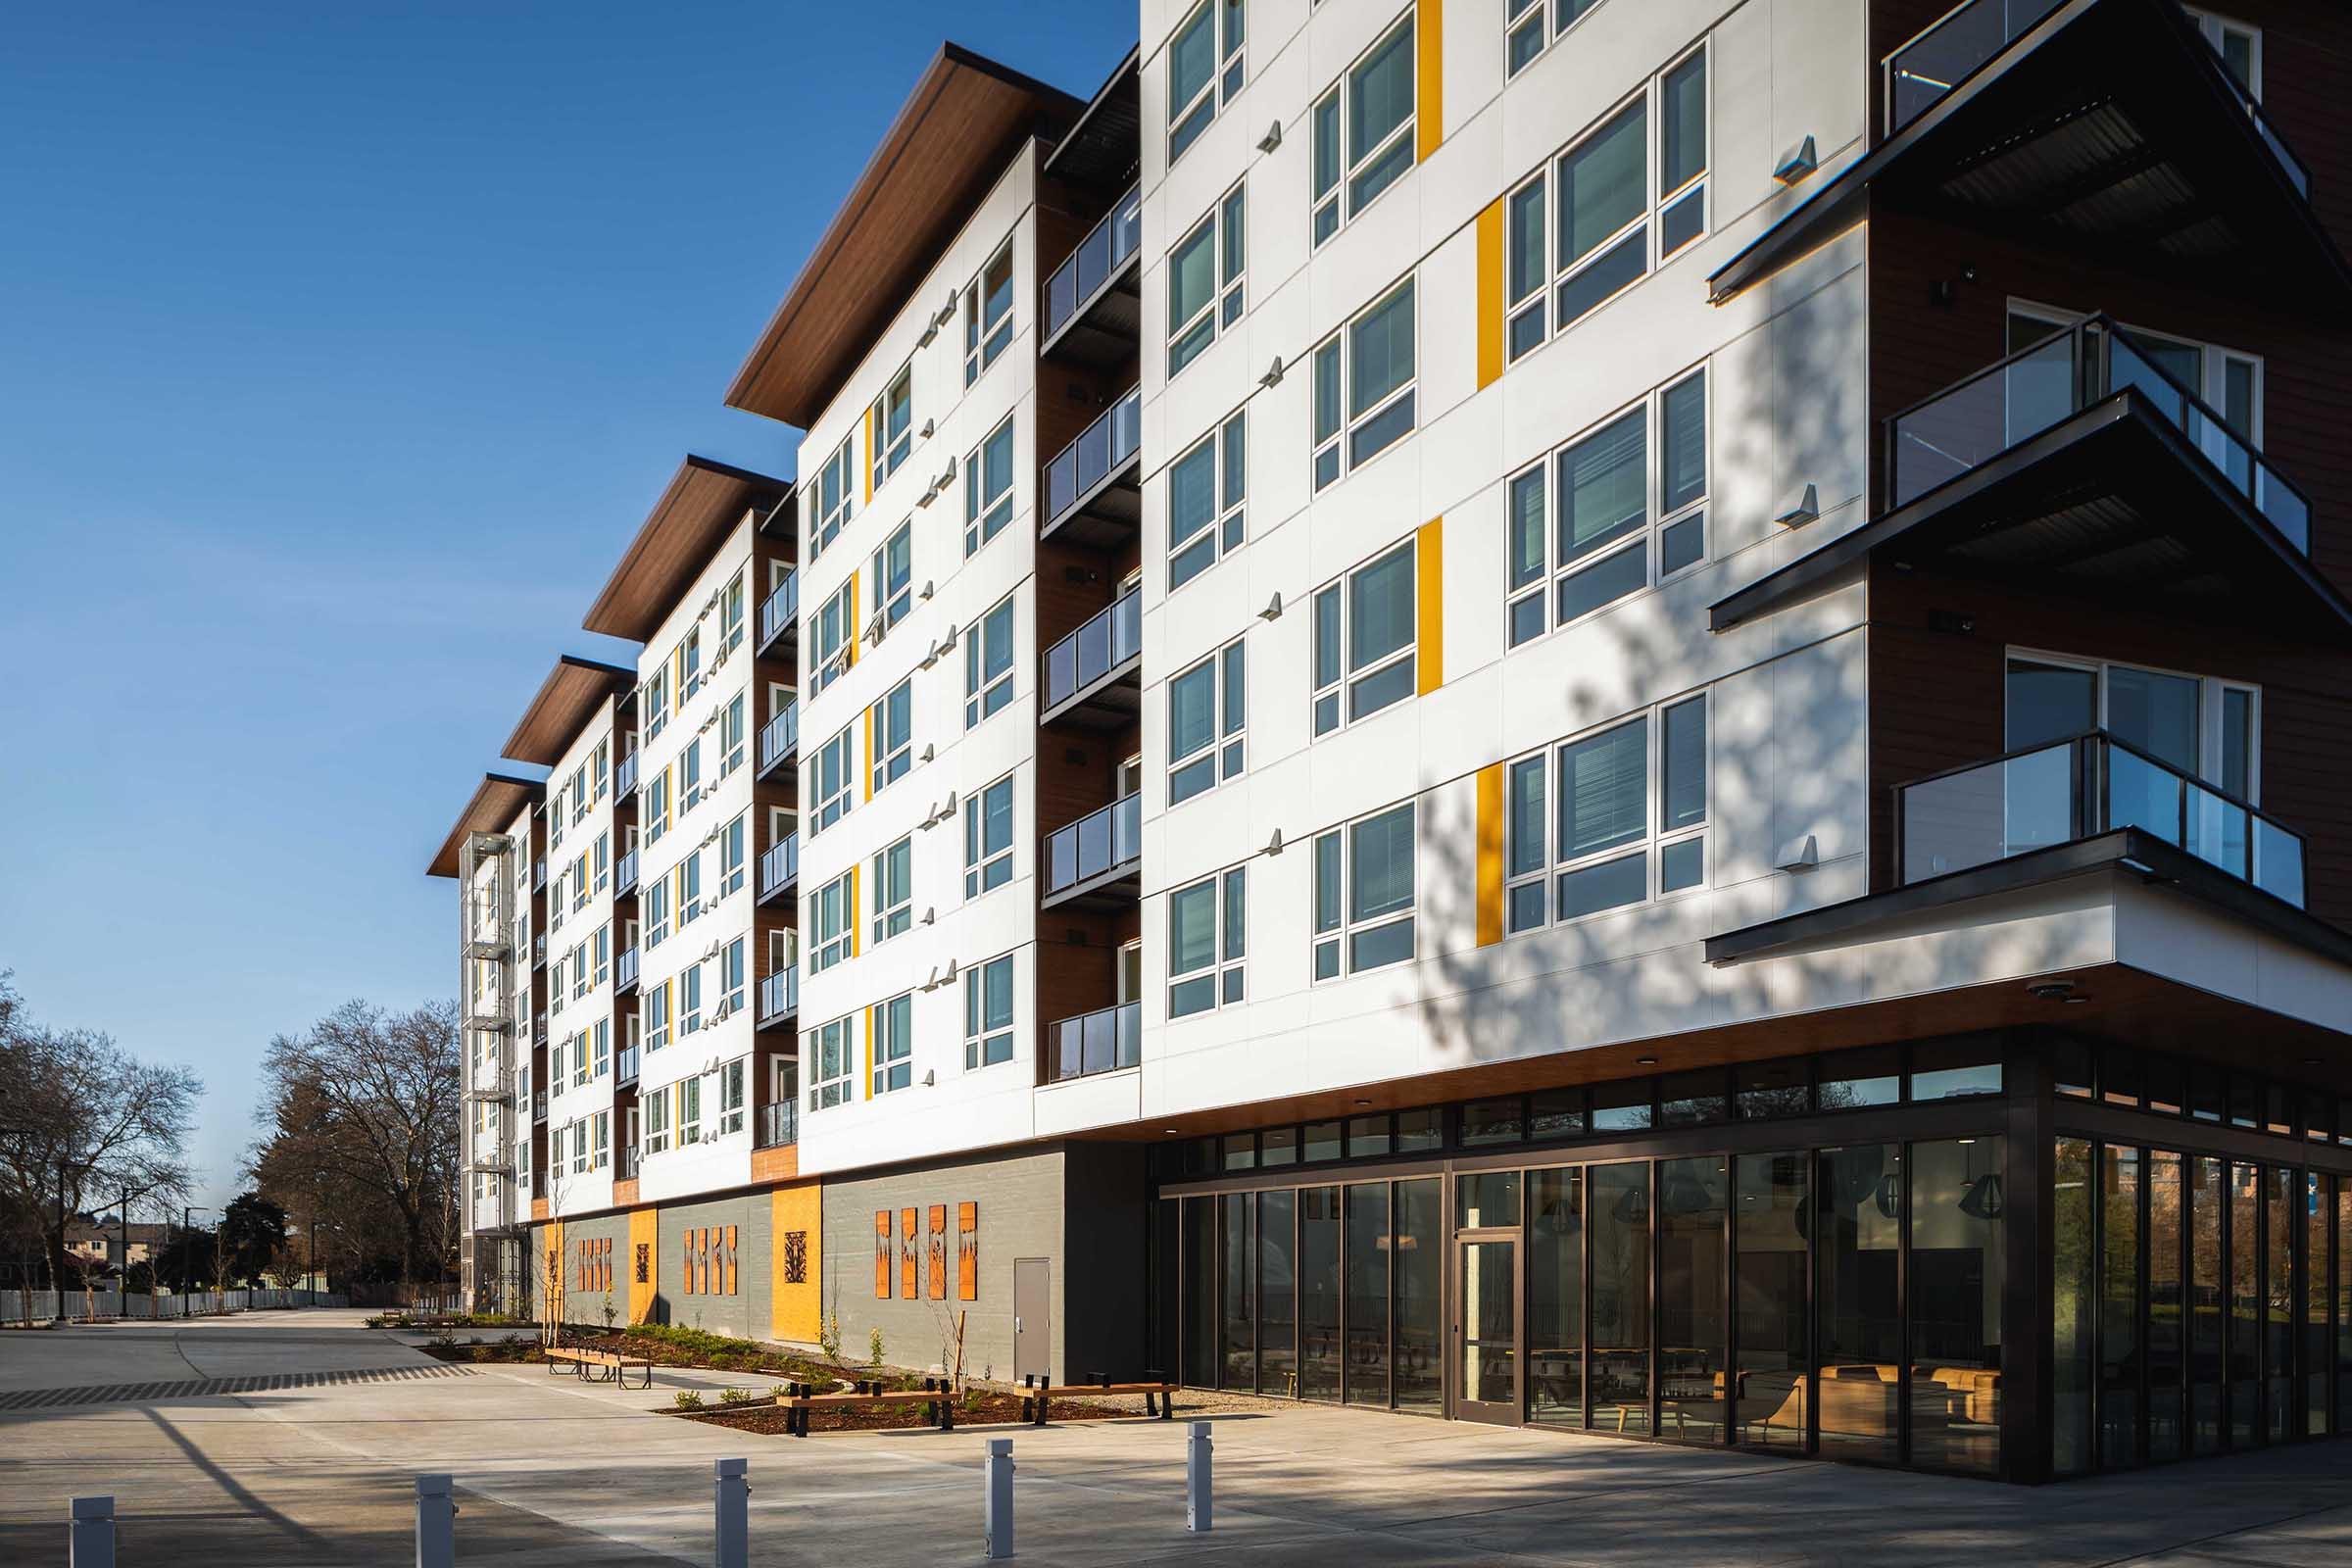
625 1065
2078 789
779 994
538 874
1966 425
780 735
624 968
624 1162
779 863
1931 64
779 1124
539 1104
1108 640
1108 246
1097 843
1101 447
779 609
624 776
1103 1041
624 874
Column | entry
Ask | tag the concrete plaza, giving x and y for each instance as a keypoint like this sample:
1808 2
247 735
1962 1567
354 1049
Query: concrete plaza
321 1470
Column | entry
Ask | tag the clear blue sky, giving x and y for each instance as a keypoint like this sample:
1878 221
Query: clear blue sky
341 349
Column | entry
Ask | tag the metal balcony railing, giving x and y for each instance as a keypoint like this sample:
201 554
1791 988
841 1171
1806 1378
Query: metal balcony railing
2078 789
1969 423
624 1162
779 995
539 874
779 863
1108 247
779 609
624 968
1102 1041
624 776
779 1124
1111 637
538 1104
624 1065
624 874
780 735
1095 456
1098 843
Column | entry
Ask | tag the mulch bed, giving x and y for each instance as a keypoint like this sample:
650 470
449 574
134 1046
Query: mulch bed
982 1407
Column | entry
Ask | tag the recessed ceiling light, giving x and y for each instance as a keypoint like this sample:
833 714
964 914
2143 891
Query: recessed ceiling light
1167 1129
1646 1061
1363 1101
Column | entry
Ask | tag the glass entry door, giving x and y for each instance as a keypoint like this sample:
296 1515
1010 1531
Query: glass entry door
1485 1333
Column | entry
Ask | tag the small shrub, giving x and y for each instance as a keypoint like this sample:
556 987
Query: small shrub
442 1340
828 1337
483 1352
778 1393
873 1344
734 1395
689 1400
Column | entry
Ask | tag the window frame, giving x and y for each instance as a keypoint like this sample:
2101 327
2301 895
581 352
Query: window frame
1228 28
1550 22
893 755
829 517
1225 973
734 855
982 1035
1224 229
1225 752
1333 365
986 693
833 636
835 795
988 331
893 916
1340 930
891 451
1345 681
733 1083
986 514
890 1032
833 923
734 734
894 583
1225 528
1532 896
987 867
839 1087
1332 188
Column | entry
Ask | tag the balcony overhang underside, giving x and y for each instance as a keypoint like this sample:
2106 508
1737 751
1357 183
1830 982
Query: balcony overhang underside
780 762
705 499
567 699
1108 329
1108 514
1111 701
2113 505
497 801
779 888
1103 148
2106 128
1105 890
765 1019
951 141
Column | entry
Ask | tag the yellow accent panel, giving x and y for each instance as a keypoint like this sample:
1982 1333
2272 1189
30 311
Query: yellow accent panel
850 631
795 1310
1489 855
852 911
1429 43
1430 569
1489 293
645 1230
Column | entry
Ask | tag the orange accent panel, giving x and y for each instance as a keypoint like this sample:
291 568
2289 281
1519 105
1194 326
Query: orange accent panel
906 1283
968 1251
881 1254
936 1251
1490 853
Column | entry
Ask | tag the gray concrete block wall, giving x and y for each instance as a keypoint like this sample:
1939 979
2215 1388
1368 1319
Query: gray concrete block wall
744 1314
588 1308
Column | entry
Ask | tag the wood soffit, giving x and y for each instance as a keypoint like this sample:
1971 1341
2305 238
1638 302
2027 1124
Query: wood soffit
567 698
495 803
950 140
703 500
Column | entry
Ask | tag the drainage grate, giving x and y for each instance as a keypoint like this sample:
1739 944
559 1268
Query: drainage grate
205 1388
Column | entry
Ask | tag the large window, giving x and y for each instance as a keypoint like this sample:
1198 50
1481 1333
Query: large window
830 502
1583 820
832 1058
732 735
834 640
1365 386
893 581
832 779
1206 488
1207 713
987 838
894 425
734 858
1207 939
988 487
1204 69
1364 894
894 890
988 1013
2207 728
833 920
1206 279
988 315
1363 131
1365 631
987 663
893 742
1586 524
893 1025
1526 32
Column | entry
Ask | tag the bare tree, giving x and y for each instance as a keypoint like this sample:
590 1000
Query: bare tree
365 1109
87 1122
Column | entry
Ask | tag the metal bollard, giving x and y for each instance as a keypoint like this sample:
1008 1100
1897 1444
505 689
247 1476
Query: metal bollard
436 1523
998 1518
1196 1500
731 1495
92 1536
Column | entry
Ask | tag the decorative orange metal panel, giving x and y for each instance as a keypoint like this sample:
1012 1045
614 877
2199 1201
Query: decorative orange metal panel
907 1285
968 1251
882 1255
727 1284
934 1256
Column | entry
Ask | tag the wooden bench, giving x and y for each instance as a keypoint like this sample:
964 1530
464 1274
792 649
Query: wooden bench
599 1366
1036 1396
939 1403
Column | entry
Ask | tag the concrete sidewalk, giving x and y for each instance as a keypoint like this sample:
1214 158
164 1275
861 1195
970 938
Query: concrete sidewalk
553 1471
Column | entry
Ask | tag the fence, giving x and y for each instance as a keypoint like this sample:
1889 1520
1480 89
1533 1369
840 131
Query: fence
39 1306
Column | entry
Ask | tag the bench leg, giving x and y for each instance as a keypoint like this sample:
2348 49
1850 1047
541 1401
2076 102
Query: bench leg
1167 1404
1041 1409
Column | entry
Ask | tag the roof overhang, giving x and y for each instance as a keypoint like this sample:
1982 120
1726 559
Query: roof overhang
703 500
495 803
949 142
2108 127
2111 503
569 696
1105 148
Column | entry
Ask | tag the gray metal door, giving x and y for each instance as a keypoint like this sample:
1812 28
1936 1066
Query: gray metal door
1032 1316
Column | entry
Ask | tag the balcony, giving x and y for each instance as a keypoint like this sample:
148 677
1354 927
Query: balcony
779 997
2108 130
2080 467
1093 678
1102 1041
538 1104
625 777
2078 789
624 875
779 1124
625 970
1093 486
779 740
1096 861
780 617
539 1030
625 1160
779 866
1094 301
539 952
539 874
624 1067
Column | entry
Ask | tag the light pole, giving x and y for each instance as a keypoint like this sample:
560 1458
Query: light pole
187 1259
123 1282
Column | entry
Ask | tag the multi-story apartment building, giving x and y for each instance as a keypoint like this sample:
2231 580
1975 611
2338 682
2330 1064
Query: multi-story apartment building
1596 716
